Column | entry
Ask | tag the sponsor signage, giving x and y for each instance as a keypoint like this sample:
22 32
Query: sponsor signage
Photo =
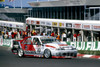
87 27
10 25
17 26
28 22
68 25
61 24
48 24
96 27
86 45
21 26
54 24
38 22
42 23
77 26
33 22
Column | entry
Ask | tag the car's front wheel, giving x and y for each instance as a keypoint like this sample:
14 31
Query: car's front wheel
47 53
20 53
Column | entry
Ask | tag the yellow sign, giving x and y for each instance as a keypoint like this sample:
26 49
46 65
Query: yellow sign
60 24
2 0
54 23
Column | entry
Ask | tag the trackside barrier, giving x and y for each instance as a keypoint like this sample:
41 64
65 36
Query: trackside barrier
6 42
91 46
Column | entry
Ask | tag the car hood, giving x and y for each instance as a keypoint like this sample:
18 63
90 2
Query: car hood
56 45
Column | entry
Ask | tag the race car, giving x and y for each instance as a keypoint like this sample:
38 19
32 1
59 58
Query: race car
43 46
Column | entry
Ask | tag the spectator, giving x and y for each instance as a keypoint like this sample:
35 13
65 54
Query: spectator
64 36
52 34
9 34
5 36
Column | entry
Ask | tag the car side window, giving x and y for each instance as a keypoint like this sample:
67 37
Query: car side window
36 41
28 41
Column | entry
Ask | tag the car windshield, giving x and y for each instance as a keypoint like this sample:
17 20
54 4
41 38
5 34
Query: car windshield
45 40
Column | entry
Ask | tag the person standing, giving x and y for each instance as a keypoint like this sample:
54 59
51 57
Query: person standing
64 36
9 33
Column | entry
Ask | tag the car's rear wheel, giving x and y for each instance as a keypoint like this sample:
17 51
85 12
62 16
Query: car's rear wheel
47 53
20 53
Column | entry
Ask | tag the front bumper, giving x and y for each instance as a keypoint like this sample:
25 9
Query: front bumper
64 53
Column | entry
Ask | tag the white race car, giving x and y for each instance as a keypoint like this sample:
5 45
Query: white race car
43 46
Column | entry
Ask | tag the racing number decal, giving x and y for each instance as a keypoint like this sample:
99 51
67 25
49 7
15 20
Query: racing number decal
38 48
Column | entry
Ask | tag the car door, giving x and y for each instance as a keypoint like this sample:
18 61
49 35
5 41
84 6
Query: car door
37 45
28 46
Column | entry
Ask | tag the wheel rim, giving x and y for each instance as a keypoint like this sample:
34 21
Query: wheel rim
47 54
20 53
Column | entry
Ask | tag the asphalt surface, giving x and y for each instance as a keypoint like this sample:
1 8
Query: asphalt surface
7 59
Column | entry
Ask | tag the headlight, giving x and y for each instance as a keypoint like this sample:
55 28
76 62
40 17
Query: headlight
60 48
73 48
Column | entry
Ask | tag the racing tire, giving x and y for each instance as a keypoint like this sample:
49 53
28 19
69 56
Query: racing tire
47 53
20 53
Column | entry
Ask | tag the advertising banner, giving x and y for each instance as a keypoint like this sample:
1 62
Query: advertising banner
5 42
28 22
61 25
33 22
38 22
93 46
86 26
69 25
54 24
96 27
48 24
77 26
43 23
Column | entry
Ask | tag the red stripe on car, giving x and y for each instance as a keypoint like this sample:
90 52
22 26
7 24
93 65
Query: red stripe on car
50 46
63 45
